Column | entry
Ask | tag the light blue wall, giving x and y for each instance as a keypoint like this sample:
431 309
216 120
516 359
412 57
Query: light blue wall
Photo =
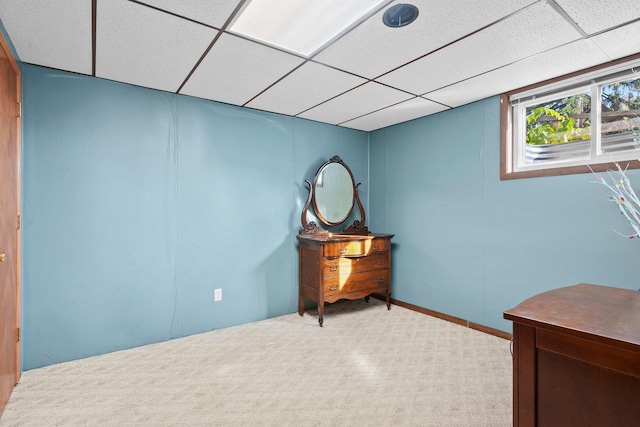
472 246
138 203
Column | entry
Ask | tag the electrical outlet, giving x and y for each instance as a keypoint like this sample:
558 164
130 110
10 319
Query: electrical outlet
217 294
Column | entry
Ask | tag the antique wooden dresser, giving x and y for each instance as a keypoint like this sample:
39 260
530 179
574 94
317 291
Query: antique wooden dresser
349 264
336 266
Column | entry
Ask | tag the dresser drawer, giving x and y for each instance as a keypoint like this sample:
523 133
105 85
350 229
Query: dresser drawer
379 245
356 247
346 248
348 265
369 280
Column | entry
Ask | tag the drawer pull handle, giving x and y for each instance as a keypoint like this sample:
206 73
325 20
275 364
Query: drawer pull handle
380 261
376 248
343 251
333 268
333 288
380 279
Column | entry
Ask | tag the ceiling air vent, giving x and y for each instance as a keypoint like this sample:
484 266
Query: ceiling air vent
400 15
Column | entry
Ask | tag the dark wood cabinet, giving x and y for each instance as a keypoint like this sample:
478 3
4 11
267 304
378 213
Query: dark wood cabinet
576 358
342 266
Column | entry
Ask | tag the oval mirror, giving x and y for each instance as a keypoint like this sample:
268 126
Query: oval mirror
333 193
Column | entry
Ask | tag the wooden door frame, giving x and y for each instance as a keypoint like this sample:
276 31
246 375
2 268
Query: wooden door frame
18 142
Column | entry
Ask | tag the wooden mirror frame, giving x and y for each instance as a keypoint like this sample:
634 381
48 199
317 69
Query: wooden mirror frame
358 226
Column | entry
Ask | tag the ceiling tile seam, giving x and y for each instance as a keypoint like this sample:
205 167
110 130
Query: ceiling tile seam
342 93
308 59
567 17
459 39
581 74
375 111
346 31
317 52
94 36
435 102
601 50
213 42
395 88
340 69
329 99
141 3
267 45
251 40
615 27
274 83
606 30
368 80
500 67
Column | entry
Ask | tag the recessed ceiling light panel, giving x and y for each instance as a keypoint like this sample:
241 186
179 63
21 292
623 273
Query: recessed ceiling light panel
301 26
400 15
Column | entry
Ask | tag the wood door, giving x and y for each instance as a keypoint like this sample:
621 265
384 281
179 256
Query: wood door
9 223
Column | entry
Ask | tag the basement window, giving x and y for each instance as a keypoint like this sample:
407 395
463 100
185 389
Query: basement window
588 119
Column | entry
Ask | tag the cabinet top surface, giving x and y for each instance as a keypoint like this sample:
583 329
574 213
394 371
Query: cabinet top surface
585 309
340 237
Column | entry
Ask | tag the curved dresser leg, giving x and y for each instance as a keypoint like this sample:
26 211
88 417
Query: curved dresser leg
320 312
366 299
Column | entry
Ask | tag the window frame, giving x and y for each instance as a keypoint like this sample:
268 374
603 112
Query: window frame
507 128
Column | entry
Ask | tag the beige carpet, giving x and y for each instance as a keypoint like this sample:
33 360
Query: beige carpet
366 367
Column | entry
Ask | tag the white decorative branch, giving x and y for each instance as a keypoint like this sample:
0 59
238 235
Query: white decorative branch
623 195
